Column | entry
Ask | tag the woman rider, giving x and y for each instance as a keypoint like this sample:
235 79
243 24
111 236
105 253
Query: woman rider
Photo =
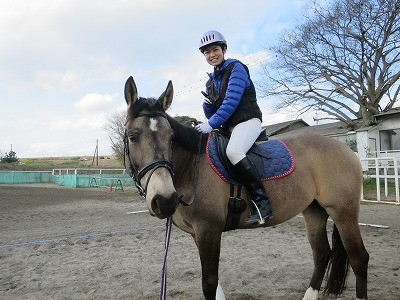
231 104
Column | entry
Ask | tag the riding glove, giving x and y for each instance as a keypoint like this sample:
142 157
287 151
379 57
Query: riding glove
207 99
204 128
208 102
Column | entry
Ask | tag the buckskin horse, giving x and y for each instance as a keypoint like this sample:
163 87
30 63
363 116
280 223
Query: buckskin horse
168 162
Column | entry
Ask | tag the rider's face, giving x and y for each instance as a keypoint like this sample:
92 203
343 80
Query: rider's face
214 55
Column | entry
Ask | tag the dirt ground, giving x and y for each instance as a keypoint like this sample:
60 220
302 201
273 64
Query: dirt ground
61 243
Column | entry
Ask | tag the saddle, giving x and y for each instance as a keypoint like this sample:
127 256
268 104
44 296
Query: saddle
272 158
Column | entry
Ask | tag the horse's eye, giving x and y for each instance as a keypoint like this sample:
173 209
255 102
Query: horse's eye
134 137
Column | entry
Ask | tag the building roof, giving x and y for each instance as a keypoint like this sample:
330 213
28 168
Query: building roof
329 129
389 112
290 128
279 127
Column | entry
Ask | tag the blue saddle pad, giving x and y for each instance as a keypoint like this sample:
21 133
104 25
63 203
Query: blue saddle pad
277 159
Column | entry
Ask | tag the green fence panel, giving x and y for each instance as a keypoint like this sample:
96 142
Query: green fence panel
109 179
21 177
91 180
68 180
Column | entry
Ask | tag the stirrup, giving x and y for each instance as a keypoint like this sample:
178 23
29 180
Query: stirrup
261 219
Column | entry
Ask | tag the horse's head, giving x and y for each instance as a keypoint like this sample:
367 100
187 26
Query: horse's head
148 149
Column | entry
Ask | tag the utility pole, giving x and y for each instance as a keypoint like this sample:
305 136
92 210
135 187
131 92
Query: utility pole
96 153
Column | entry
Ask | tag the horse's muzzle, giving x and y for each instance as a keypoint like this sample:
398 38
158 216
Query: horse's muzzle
164 207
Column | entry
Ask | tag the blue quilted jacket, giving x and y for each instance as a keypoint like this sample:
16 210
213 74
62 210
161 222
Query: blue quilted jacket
238 82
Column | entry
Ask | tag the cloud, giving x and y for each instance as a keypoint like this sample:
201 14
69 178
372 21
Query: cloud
95 102
65 62
53 80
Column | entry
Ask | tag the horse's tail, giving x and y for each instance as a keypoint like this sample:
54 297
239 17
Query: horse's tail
338 266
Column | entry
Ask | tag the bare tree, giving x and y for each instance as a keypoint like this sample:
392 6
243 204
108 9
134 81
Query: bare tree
342 60
116 131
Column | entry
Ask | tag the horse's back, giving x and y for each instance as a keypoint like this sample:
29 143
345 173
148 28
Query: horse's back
324 154
331 165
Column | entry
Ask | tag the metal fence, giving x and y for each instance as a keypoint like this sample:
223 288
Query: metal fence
77 171
385 171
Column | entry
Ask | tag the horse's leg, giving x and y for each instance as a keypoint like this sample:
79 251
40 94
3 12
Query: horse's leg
315 218
209 245
346 221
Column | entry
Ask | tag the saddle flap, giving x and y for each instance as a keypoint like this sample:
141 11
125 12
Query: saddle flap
221 139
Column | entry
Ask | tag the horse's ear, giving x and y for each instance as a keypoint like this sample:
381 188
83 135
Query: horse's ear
166 98
131 94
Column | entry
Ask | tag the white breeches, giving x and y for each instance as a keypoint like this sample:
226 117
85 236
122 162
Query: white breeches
242 138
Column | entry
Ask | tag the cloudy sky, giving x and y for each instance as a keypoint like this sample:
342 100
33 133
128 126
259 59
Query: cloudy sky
64 63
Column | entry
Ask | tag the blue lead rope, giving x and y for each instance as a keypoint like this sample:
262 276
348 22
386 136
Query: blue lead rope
168 227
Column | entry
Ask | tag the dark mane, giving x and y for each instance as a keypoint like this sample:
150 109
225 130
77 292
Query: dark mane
148 104
186 136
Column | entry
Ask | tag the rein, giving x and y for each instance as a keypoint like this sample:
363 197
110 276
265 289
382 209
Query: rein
168 227
151 167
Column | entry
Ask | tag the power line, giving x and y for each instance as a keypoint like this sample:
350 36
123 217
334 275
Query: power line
194 86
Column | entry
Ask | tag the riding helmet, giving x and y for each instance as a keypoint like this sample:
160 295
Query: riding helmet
211 37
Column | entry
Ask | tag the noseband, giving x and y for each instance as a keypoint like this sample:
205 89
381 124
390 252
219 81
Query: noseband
151 167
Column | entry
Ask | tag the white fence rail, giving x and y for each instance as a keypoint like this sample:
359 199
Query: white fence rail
76 171
385 153
384 169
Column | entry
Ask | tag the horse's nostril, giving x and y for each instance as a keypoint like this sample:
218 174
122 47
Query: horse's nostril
165 206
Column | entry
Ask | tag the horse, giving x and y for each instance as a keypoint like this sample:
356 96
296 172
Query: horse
167 160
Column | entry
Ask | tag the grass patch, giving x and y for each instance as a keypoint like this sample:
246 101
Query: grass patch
369 189
50 163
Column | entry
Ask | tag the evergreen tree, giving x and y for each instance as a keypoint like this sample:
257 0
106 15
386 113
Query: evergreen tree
10 157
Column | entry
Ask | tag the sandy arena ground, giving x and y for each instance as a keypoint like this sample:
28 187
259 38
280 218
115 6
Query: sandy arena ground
61 243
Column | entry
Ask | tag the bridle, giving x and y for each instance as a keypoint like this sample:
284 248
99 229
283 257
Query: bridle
151 167
137 175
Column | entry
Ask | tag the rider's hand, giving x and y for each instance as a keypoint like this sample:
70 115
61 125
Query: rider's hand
207 99
204 128
207 102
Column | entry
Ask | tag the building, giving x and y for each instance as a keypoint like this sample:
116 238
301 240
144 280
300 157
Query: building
382 139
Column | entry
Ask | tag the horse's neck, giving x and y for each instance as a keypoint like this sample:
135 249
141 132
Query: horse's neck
184 163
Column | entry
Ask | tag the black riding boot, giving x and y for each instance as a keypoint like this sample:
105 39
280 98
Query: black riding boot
249 177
